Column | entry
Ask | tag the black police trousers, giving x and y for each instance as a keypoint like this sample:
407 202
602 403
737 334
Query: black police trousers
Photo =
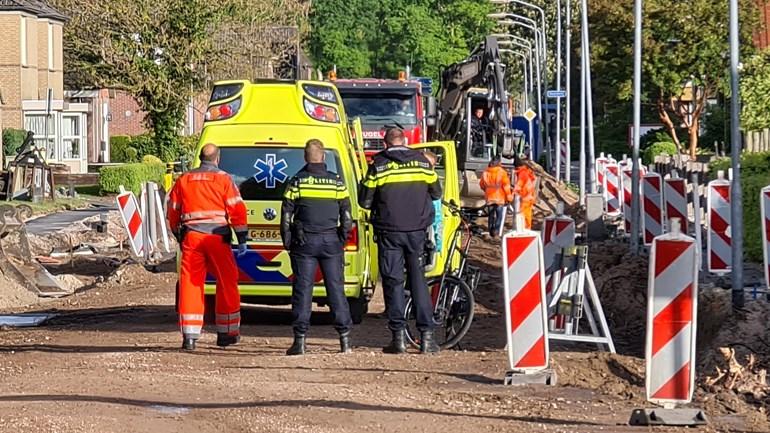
396 251
326 250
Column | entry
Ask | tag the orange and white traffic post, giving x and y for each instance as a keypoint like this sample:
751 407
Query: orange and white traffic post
718 241
672 305
525 308
131 215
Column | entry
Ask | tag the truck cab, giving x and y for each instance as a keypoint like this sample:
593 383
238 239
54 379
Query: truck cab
382 103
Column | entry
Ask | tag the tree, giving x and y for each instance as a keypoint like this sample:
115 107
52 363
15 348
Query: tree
755 91
162 52
377 38
685 55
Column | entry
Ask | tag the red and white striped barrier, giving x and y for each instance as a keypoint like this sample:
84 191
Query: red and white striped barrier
558 232
131 215
765 203
671 318
718 242
625 180
563 160
525 307
675 195
612 189
652 198
601 161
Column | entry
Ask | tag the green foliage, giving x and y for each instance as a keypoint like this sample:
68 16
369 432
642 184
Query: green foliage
716 124
118 146
755 88
151 159
188 145
755 175
659 148
12 140
379 38
130 176
683 41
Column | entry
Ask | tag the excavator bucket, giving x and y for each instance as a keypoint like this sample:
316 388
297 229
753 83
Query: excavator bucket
16 261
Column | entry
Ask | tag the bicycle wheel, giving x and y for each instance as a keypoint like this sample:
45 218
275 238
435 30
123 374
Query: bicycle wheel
451 320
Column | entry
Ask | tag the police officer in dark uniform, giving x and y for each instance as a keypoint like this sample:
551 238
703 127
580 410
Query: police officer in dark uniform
399 189
315 221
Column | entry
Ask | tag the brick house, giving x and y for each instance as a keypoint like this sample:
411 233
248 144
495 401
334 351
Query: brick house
31 65
762 37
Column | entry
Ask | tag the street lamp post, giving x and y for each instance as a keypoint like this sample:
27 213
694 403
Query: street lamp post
537 62
637 126
736 198
558 89
568 88
588 94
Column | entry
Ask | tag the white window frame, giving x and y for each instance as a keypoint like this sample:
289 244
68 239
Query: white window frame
23 37
80 137
51 66
53 134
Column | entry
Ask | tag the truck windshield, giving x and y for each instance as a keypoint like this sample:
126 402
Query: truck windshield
261 173
380 108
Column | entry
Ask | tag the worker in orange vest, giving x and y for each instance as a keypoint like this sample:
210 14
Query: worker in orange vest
525 189
497 192
203 206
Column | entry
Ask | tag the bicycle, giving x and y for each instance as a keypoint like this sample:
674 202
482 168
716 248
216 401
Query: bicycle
452 291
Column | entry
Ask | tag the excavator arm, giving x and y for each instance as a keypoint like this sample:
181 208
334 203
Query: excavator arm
484 69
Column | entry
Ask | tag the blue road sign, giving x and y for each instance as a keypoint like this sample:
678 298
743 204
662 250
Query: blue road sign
556 93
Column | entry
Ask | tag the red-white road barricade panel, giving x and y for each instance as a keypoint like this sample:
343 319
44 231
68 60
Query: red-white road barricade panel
675 195
558 232
613 189
131 215
652 209
525 307
719 243
625 180
601 161
765 203
671 319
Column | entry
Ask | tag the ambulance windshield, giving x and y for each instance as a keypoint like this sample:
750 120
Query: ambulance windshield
261 173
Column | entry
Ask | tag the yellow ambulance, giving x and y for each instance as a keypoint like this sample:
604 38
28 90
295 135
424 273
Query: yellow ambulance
261 128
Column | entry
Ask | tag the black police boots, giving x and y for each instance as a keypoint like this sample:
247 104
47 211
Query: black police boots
345 346
398 344
224 340
188 343
298 347
427 343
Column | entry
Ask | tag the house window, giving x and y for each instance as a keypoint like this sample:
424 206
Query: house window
50 47
72 137
36 123
23 44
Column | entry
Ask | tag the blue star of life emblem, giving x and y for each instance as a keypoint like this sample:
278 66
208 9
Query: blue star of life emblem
270 171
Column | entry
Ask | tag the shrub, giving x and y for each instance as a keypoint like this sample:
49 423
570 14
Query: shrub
151 159
118 146
130 176
12 140
145 145
659 148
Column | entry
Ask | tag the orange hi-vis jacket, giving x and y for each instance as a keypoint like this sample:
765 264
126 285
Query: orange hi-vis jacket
525 186
206 200
496 185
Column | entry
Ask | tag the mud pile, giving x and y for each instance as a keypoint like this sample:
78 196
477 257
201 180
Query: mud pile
14 296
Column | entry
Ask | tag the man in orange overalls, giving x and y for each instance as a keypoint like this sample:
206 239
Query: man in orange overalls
525 189
497 193
202 207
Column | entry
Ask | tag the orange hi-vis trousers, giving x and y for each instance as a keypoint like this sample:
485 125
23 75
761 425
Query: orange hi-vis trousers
526 210
202 252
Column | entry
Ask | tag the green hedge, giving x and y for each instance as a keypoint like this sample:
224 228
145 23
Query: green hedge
118 146
659 148
12 140
130 176
755 175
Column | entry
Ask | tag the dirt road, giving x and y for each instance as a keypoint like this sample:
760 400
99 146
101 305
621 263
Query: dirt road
110 362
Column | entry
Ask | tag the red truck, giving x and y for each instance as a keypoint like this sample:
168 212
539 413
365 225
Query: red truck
382 103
